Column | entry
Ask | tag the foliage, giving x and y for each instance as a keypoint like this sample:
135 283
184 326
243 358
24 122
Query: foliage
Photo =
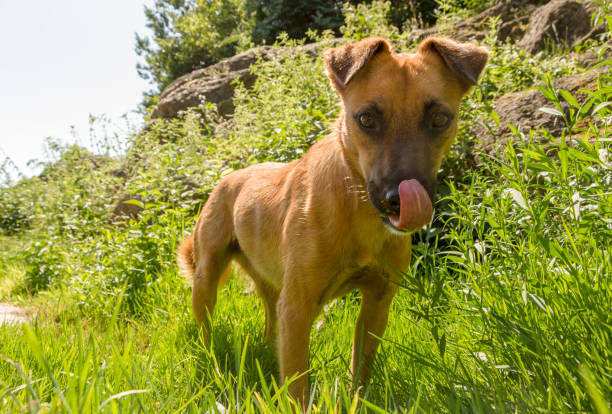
448 8
523 265
188 35
287 109
293 17
14 216
365 20
510 68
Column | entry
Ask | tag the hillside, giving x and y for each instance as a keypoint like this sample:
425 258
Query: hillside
506 306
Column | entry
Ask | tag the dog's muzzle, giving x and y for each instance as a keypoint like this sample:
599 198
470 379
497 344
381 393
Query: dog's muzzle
408 207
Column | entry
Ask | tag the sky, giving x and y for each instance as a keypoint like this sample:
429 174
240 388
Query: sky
61 61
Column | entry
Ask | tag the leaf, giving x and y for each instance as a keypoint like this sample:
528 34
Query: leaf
134 202
442 345
601 106
120 395
538 301
569 98
576 205
550 111
563 157
495 117
517 197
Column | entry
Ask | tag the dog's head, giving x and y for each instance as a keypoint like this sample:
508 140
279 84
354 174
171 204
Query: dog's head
400 118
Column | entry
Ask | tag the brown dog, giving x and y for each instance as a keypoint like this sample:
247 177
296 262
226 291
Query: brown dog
338 218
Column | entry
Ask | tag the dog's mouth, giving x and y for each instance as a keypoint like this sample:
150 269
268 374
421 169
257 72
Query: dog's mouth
415 208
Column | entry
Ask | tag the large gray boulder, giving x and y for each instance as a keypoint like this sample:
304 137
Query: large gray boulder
513 18
558 22
523 110
215 83
212 84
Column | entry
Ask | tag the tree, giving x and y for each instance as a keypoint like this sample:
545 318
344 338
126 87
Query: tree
294 17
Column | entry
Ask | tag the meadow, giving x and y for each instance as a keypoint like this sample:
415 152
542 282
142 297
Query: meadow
506 307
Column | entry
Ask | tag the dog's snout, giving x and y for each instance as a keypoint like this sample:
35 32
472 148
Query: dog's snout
391 203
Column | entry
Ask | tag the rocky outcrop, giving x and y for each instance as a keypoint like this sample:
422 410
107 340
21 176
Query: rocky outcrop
525 22
215 83
558 22
528 23
523 110
513 17
129 206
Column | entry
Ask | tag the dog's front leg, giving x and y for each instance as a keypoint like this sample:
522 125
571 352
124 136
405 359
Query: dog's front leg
370 326
296 312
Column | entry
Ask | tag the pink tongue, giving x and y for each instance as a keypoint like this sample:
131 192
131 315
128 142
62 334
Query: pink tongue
415 206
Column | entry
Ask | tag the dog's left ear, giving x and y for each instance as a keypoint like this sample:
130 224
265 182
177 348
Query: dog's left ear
466 60
344 62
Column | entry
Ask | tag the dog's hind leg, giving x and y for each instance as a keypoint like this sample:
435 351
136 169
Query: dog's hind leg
269 298
268 294
212 252
208 274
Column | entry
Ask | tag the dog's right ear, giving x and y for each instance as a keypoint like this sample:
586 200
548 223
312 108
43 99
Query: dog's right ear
465 59
342 63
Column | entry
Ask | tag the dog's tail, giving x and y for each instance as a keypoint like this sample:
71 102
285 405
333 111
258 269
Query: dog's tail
185 259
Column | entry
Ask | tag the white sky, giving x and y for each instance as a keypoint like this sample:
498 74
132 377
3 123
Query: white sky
60 61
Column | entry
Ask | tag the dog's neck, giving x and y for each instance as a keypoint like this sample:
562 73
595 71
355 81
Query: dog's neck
349 152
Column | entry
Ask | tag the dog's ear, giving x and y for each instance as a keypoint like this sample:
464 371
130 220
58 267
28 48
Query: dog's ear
342 63
466 60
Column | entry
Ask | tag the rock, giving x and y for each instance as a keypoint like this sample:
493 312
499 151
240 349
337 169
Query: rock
558 22
125 209
522 110
513 16
596 33
593 56
215 83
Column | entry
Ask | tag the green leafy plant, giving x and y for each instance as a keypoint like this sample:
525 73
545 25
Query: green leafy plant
363 20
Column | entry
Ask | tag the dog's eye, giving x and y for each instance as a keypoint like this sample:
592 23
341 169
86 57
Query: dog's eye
366 120
440 120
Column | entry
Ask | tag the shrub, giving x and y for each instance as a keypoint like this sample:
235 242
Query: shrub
47 264
14 216
363 20
288 108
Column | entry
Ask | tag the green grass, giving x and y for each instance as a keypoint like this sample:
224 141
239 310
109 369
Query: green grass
506 307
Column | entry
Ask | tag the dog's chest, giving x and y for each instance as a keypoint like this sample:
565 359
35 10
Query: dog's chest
368 266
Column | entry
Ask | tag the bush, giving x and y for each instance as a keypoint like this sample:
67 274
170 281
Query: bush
288 108
14 212
365 20
47 264
129 261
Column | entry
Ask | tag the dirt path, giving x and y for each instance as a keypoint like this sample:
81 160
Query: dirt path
12 315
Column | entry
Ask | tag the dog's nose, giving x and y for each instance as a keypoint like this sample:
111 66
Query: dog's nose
391 203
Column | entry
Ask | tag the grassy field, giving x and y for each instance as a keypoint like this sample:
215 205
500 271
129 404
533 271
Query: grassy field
506 308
